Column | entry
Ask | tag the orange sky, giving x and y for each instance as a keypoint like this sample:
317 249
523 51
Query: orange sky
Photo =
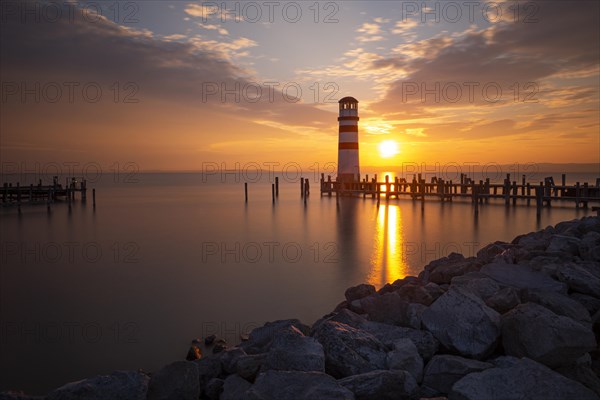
420 85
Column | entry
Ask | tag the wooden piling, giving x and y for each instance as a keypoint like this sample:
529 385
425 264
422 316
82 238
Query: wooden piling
94 197
246 191
301 187
273 192
277 186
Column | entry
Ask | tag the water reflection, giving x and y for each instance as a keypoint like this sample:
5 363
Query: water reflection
387 261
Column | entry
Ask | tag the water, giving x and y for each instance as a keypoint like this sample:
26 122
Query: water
172 257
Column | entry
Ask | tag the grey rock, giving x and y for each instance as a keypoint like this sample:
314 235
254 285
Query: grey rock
521 277
557 303
234 388
443 371
229 359
296 385
178 380
349 351
526 379
214 388
503 300
405 356
582 374
382 385
564 244
358 292
463 323
248 366
292 351
208 368
388 308
533 331
579 279
412 293
480 284
489 252
590 303
260 338
447 268
589 247
120 385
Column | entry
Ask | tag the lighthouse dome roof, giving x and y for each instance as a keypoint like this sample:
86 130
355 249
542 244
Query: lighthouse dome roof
348 99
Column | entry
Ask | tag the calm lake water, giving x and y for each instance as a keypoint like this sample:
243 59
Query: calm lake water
170 257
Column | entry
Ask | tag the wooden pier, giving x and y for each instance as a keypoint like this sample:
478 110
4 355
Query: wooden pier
18 195
542 193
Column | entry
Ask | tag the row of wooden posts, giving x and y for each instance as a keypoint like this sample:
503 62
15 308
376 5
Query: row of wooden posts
304 189
38 194
478 192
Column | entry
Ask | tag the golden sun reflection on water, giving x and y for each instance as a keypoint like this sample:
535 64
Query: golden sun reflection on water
387 261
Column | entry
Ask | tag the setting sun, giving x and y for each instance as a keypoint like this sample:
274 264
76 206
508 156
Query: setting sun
388 148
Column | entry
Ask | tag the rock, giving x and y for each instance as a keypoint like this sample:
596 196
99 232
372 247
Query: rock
564 244
260 338
557 303
579 279
208 368
503 300
405 356
533 331
349 351
248 366
194 353
209 340
489 252
443 270
382 385
589 247
434 290
504 361
178 380
480 284
426 344
229 359
120 385
358 292
214 388
521 277
296 385
292 351
590 303
388 308
526 379
12 395
412 293
582 374
234 388
443 371
463 324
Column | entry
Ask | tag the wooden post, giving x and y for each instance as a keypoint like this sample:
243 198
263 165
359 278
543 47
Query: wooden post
506 190
329 185
548 193
476 198
528 193
273 192
306 187
585 194
277 186
564 183
94 197
84 190
515 192
301 187
246 191
539 190
387 188
523 186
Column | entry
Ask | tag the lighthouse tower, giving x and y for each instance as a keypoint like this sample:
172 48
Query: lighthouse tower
348 166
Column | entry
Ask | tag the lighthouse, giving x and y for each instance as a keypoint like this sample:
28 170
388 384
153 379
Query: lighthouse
348 165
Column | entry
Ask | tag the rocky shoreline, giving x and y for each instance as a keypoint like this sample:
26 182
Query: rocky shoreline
521 320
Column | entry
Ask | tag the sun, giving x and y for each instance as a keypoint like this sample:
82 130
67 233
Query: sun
388 148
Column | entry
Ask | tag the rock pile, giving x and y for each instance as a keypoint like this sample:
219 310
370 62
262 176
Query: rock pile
521 320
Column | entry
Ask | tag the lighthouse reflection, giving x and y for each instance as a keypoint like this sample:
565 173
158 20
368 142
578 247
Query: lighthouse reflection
387 261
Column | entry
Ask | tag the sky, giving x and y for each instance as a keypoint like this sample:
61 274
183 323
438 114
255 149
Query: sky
180 85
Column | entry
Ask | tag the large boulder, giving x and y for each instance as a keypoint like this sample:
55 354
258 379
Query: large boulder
521 277
208 368
533 331
480 284
382 385
463 323
349 351
292 351
525 379
489 252
414 293
579 279
442 271
405 356
358 292
178 380
296 385
120 385
589 247
248 366
503 300
564 244
392 309
591 303
558 303
426 344
444 370
234 388
260 338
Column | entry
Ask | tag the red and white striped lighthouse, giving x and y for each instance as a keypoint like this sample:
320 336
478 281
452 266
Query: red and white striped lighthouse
348 165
